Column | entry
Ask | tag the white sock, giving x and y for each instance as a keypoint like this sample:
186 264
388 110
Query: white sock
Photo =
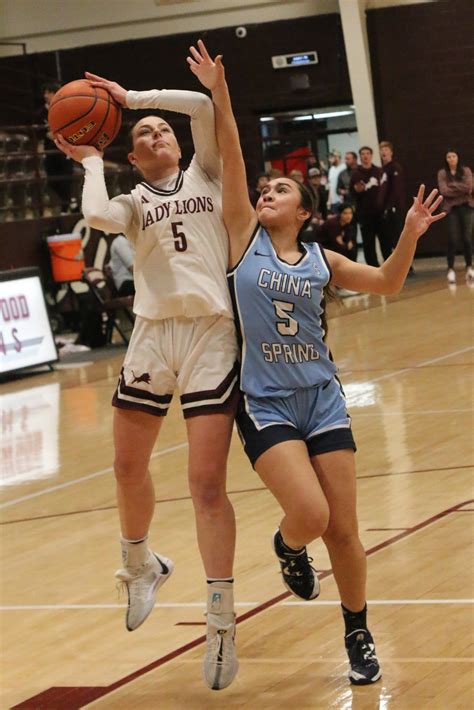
220 600
134 552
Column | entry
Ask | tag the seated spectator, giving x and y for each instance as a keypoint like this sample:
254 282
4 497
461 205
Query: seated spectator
122 255
339 233
254 192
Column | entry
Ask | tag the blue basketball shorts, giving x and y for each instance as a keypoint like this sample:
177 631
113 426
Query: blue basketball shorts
315 415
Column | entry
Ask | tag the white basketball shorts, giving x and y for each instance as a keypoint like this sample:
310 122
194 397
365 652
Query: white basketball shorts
197 356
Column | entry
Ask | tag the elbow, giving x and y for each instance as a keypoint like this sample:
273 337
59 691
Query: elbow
92 218
393 289
390 287
202 104
96 221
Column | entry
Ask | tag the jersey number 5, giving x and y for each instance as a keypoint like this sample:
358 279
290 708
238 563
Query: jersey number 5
287 325
180 243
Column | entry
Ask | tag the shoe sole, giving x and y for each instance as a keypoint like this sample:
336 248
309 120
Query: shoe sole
365 681
215 685
161 580
315 596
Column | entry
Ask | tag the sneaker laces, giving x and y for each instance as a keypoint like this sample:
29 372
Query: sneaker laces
297 565
218 649
142 585
364 649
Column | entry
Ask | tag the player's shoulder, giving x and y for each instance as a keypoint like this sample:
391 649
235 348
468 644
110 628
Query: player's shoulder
196 171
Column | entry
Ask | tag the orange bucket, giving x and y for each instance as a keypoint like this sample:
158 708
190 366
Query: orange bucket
67 257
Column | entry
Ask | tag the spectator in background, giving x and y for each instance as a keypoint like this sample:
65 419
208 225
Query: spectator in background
297 176
122 255
455 184
254 192
320 196
344 179
58 167
336 168
364 187
339 233
274 173
312 162
392 197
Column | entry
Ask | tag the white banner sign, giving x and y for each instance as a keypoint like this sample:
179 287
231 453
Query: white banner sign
25 332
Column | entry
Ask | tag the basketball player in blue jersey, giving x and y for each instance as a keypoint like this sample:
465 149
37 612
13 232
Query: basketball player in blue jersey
292 418
183 338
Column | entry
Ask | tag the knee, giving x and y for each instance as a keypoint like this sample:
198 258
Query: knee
129 472
341 536
208 490
312 520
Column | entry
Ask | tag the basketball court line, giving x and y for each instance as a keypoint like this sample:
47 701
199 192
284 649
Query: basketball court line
90 476
384 369
431 361
238 605
73 698
104 471
238 491
335 661
384 304
411 413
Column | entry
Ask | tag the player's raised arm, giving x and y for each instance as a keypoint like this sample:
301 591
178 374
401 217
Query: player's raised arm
390 277
194 104
239 215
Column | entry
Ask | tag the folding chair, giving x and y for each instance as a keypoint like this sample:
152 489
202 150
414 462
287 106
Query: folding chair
107 302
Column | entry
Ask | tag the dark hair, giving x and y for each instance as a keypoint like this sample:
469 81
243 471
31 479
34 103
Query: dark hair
351 152
51 86
341 207
366 147
458 175
307 202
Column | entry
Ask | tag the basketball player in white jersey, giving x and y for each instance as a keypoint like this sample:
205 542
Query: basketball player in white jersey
184 338
292 418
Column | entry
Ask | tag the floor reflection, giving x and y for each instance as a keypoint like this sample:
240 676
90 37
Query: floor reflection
29 425
374 697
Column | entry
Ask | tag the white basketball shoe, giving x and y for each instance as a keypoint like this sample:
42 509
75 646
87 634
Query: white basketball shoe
142 584
220 662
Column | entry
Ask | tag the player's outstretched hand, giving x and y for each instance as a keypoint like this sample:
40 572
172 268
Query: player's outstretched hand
209 72
76 152
117 91
420 215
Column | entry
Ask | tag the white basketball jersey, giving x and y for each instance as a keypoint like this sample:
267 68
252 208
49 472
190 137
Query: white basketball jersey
181 247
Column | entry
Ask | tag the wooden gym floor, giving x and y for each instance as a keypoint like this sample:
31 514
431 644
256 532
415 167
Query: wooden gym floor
406 364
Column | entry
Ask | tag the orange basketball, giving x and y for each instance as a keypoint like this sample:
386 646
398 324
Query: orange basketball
85 114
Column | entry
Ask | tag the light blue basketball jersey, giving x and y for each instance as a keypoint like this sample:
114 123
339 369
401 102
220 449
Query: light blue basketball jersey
278 309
